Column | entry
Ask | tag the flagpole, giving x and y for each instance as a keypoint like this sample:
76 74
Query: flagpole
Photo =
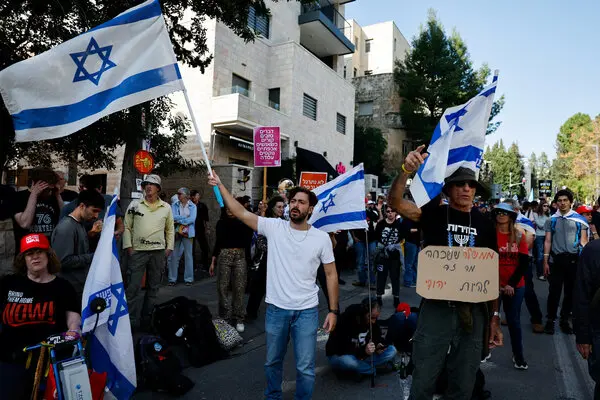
368 260
199 138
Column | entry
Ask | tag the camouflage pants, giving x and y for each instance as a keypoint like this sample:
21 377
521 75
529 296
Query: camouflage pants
231 267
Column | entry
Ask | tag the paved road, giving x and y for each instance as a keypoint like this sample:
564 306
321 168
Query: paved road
556 371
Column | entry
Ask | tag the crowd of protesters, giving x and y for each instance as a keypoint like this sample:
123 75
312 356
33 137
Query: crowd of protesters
57 231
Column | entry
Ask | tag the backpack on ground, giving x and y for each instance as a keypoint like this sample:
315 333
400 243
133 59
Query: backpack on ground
184 321
158 368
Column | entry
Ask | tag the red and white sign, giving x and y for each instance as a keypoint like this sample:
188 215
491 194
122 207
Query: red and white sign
267 146
312 180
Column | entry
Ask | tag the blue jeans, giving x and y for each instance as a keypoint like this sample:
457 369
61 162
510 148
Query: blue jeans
185 246
401 330
302 326
512 309
539 255
349 362
411 252
361 262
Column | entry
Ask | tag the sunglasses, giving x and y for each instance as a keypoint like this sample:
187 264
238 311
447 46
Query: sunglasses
471 184
545 206
501 213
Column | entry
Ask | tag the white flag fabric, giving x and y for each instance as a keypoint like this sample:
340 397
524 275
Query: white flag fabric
341 203
123 62
525 223
458 141
111 343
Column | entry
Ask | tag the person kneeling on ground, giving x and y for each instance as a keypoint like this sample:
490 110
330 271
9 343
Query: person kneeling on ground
356 338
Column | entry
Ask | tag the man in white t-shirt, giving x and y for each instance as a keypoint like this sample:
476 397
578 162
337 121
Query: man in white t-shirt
296 250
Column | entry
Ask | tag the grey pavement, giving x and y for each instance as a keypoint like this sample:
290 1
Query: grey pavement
556 371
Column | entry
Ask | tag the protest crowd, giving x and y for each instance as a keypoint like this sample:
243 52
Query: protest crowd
81 310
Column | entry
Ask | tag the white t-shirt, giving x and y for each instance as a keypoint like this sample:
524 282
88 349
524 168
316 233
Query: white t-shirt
293 258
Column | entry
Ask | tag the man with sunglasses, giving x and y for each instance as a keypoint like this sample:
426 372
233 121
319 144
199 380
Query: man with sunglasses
450 336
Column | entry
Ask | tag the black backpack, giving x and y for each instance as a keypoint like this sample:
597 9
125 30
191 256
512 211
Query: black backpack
183 321
158 368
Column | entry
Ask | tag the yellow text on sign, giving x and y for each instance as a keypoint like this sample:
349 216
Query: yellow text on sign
467 274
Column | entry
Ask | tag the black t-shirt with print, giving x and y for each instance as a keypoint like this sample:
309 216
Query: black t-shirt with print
387 233
439 220
45 218
32 311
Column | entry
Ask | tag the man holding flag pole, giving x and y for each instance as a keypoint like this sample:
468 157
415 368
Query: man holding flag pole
451 337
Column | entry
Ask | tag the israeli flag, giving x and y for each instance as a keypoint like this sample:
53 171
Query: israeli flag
525 223
341 203
111 344
458 141
572 216
123 62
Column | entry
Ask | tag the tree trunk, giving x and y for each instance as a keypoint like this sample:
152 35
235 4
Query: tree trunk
128 172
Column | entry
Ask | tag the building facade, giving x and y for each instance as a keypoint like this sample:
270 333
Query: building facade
370 69
291 76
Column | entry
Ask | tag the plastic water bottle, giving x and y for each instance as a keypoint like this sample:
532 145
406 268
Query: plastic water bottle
179 332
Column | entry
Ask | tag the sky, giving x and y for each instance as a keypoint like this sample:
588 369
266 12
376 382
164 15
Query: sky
546 52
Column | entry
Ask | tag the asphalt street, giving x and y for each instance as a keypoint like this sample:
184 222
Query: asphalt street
556 371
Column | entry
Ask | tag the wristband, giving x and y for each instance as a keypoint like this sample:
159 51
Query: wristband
546 255
334 312
405 170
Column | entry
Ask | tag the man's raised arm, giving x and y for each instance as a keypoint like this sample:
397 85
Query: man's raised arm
396 199
233 205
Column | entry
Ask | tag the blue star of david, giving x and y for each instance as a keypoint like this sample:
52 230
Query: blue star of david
454 118
83 74
118 291
328 203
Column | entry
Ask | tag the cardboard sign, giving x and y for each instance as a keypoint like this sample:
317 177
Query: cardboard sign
267 146
312 180
467 274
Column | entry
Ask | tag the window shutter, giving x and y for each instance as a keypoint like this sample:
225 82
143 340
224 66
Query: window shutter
310 107
341 123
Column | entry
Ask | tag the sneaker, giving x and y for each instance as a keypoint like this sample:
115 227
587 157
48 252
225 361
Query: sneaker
549 328
413 285
542 278
188 283
240 327
171 283
487 357
520 363
537 328
566 327
359 284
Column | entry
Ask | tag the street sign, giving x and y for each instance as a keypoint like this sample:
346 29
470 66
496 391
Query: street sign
267 146
545 188
312 180
143 162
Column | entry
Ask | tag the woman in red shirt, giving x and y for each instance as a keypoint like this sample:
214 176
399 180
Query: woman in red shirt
514 260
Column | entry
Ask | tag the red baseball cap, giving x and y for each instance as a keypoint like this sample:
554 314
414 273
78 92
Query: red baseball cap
584 209
34 241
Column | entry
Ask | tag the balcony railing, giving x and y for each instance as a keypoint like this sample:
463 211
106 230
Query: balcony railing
331 13
237 89
274 105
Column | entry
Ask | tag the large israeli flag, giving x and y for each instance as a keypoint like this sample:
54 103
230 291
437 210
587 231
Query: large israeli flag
123 62
458 141
341 203
111 344
525 223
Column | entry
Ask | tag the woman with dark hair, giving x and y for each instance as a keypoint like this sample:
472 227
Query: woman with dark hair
35 304
233 239
258 286
542 215
514 259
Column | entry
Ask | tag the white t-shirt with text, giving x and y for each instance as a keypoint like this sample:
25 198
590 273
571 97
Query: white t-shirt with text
293 258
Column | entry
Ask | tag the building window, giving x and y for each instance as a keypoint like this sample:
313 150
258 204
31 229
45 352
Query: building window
373 182
345 72
368 72
341 124
240 85
368 45
274 95
356 43
259 23
309 107
355 72
394 44
365 108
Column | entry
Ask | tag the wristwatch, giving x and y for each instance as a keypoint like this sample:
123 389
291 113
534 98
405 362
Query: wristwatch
335 312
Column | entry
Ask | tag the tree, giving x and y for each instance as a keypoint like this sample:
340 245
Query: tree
506 167
369 148
544 167
436 74
533 168
29 28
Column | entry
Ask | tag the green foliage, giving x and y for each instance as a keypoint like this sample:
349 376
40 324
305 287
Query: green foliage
505 166
436 74
369 148
32 27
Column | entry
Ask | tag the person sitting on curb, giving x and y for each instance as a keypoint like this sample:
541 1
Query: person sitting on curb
357 338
